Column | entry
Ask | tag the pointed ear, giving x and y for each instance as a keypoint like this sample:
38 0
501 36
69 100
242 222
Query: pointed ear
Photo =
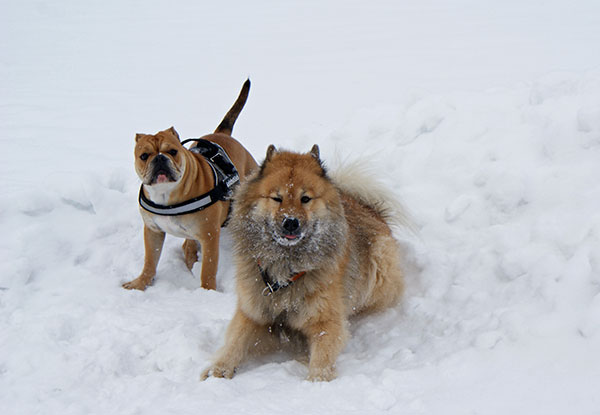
172 131
270 151
138 136
314 151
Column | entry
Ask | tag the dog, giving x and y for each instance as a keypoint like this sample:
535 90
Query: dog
310 252
171 177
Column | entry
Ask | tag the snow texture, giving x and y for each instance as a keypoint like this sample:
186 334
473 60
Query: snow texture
483 117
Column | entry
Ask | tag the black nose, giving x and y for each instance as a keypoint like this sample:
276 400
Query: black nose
160 159
291 225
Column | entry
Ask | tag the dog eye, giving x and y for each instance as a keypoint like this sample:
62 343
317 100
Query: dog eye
144 156
277 199
305 199
172 152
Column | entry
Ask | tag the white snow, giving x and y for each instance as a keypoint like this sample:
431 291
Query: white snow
483 117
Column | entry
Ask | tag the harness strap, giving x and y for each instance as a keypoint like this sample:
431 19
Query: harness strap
189 206
218 159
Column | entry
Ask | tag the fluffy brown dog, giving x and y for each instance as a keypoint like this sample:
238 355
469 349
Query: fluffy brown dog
309 253
172 175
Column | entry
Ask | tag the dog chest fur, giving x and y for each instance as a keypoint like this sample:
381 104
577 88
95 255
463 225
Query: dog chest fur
173 225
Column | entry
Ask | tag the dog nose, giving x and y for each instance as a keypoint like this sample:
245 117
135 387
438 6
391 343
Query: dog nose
160 159
291 225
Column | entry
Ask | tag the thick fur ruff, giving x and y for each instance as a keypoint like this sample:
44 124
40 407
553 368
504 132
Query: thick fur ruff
291 217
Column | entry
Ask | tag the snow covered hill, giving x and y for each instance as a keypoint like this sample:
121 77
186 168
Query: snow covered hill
483 118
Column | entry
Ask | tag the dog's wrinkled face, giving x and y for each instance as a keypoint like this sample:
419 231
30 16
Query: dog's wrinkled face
158 158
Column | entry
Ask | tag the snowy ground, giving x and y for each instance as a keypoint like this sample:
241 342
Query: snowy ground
483 118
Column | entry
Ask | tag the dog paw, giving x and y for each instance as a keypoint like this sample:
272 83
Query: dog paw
218 371
325 374
137 284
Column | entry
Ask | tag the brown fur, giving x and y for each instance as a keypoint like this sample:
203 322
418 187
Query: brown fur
346 248
189 175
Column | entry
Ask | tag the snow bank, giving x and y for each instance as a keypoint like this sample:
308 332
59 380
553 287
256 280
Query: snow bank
503 299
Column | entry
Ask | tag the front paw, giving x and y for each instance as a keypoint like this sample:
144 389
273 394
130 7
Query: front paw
218 370
139 283
322 374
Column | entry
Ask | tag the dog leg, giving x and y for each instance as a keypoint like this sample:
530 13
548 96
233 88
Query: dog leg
153 243
210 258
243 337
190 252
326 340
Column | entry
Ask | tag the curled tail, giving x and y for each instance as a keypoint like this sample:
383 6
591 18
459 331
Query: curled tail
226 125
358 179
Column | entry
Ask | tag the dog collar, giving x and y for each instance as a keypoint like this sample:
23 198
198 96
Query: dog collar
271 286
224 173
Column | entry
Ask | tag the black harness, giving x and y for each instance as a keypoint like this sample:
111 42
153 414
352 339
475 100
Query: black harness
224 173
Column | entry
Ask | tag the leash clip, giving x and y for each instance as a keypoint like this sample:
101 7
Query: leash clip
268 290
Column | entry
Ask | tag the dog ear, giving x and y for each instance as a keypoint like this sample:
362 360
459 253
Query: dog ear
138 136
172 131
314 151
270 151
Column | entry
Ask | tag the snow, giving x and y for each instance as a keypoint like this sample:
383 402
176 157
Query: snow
484 118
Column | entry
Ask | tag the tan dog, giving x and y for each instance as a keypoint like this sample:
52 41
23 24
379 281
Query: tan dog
172 175
309 253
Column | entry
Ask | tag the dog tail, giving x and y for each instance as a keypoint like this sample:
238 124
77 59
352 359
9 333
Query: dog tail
226 125
359 180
